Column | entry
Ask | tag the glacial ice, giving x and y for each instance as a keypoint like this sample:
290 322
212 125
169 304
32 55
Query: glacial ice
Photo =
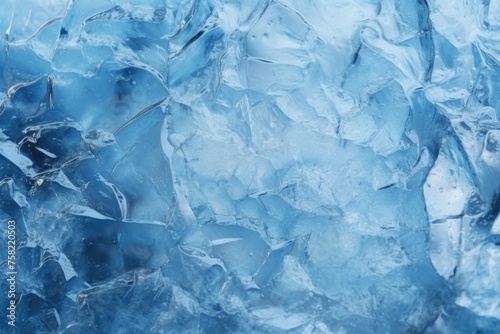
261 166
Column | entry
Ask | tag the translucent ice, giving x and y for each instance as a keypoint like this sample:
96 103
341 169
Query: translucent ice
220 166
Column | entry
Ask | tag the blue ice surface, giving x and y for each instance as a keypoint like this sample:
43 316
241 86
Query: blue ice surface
260 166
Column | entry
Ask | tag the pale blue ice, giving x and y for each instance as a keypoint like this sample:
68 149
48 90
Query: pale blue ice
260 166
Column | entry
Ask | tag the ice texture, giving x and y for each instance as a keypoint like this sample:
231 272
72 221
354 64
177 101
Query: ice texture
260 166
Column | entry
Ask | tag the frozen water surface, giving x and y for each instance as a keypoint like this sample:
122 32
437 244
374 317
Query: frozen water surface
220 166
